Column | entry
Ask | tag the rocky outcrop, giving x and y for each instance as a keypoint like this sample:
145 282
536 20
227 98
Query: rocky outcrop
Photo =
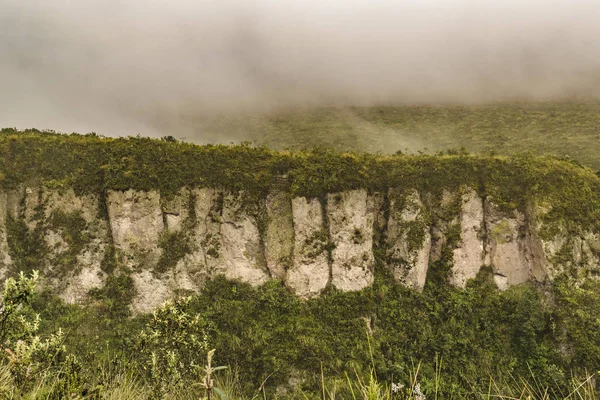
564 249
5 259
513 252
590 253
350 215
469 253
67 232
408 241
310 272
73 222
136 222
223 239
279 235
173 244
176 210
241 249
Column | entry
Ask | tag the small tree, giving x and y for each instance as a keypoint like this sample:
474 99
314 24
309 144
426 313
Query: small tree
29 357
17 294
175 341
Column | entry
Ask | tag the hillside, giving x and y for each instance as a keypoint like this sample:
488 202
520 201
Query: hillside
566 129
301 262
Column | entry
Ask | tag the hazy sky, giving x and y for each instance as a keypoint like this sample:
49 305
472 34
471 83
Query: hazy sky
118 66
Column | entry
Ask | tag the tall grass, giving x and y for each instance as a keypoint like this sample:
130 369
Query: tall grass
125 385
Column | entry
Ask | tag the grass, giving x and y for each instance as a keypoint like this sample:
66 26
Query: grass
566 129
123 385
508 345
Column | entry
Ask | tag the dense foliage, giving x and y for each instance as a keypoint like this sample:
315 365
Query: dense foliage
93 164
561 128
460 340
457 340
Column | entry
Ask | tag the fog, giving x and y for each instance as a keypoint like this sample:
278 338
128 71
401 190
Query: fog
131 66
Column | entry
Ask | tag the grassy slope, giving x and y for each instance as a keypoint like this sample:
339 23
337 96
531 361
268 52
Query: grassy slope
93 164
559 128
479 332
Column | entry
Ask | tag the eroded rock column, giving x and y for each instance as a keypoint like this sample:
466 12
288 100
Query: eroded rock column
469 255
511 251
136 223
279 235
350 219
408 241
241 250
309 273
5 259
63 208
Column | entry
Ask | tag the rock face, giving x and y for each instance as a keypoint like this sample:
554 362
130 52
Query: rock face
279 236
408 241
469 254
66 217
511 251
310 270
241 250
351 217
224 236
5 259
65 229
136 222
174 244
176 210
561 249
590 253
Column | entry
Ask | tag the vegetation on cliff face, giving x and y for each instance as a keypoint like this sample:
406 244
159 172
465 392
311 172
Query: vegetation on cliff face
564 129
460 339
92 164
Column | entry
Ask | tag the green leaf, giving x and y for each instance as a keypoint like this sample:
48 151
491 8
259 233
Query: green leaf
221 394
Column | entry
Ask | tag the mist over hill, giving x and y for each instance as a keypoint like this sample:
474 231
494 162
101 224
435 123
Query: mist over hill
417 214
132 67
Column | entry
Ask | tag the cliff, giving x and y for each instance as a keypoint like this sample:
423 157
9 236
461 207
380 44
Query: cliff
173 215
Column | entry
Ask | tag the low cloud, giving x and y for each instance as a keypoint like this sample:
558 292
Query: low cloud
123 67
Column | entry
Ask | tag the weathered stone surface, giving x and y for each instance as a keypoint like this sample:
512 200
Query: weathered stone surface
310 270
176 210
303 244
206 235
151 291
77 286
68 202
5 259
78 279
469 254
226 240
279 235
74 236
351 218
508 250
241 250
561 249
136 223
13 202
408 241
444 218
578 252
31 202
380 222
590 253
